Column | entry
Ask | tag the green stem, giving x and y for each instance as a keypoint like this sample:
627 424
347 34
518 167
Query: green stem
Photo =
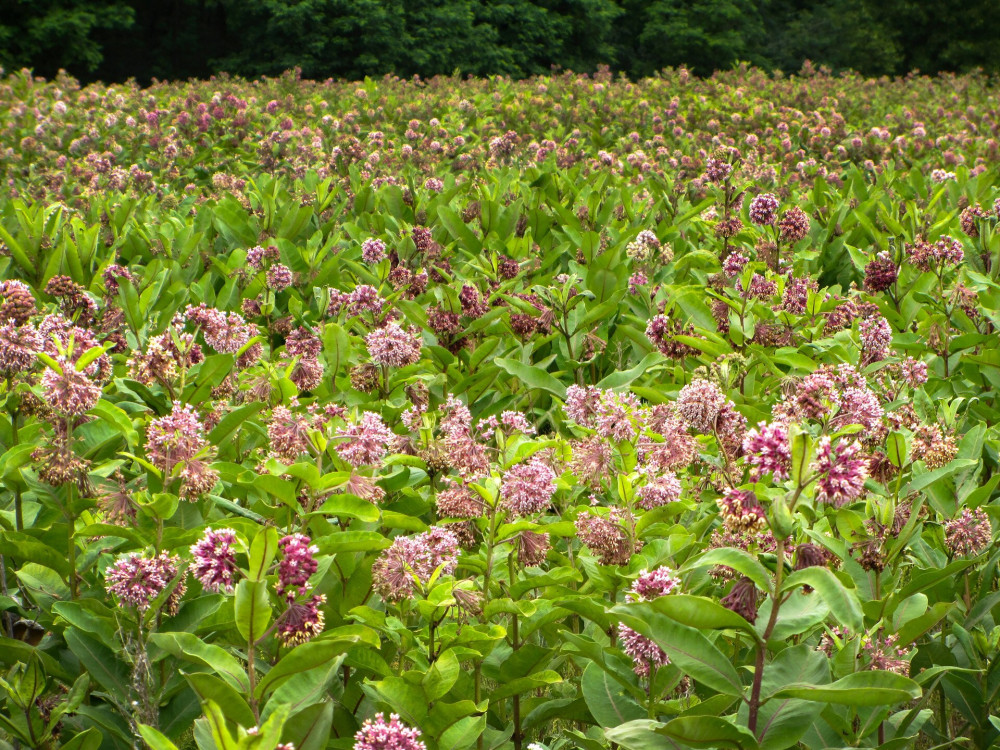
758 673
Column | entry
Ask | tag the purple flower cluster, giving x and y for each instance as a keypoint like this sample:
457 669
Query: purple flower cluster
214 560
842 471
138 580
528 488
646 655
377 734
391 346
412 560
764 209
768 451
366 441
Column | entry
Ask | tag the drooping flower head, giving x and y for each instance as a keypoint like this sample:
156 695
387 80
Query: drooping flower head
646 655
606 536
302 621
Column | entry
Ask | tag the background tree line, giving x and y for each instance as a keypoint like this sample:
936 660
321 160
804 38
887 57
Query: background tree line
113 40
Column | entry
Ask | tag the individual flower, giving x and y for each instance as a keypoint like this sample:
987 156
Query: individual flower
969 534
528 488
214 560
297 564
392 346
764 209
767 450
378 734
699 403
138 580
842 471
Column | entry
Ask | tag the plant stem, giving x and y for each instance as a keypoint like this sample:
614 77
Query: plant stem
758 672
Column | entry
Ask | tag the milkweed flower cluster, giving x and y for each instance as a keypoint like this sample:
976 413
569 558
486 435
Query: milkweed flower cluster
606 536
763 209
768 451
178 438
842 471
412 560
372 250
528 488
378 734
392 346
138 580
69 392
366 441
214 560
646 655
304 618
969 534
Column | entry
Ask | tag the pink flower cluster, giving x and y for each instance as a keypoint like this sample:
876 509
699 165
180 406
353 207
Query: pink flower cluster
214 560
412 560
646 655
377 734
138 580
528 488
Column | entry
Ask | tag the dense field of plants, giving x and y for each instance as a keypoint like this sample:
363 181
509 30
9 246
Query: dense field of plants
568 413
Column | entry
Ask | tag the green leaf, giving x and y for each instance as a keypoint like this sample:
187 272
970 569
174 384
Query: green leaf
697 612
100 661
263 548
532 376
687 648
152 737
91 739
524 685
442 676
843 602
609 703
351 541
192 648
736 559
209 687
350 506
303 658
858 689
708 732
253 612
26 548
895 447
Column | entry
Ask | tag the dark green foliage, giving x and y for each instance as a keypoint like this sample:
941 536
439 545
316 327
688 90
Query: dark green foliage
146 39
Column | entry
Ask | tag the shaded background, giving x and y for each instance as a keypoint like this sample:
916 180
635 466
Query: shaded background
113 40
